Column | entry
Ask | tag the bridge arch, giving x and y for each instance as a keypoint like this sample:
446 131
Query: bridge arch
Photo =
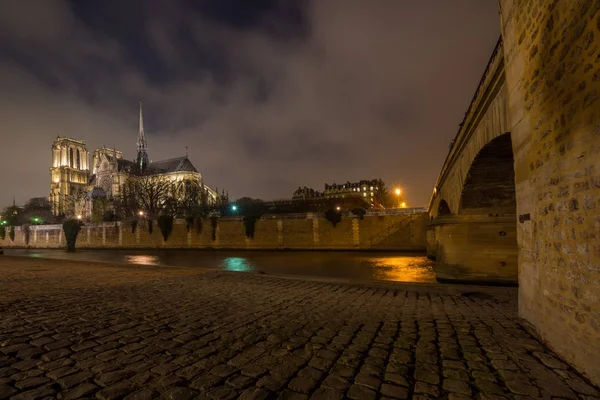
489 186
443 208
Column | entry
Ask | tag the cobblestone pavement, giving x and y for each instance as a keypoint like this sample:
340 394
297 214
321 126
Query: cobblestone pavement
72 330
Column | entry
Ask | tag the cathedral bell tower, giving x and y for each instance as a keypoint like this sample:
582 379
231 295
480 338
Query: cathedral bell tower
69 175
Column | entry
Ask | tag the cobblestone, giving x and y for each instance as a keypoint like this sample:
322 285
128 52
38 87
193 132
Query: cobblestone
96 330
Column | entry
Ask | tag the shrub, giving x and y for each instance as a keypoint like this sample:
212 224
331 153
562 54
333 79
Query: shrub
249 224
11 233
150 226
214 221
189 223
71 227
165 223
198 225
2 232
359 212
26 233
109 216
252 210
333 216
133 226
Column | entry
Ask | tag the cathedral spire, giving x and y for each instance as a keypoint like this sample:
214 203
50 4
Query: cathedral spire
142 147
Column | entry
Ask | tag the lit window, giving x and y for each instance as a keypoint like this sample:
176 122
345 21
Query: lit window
371 187
364 195
365 188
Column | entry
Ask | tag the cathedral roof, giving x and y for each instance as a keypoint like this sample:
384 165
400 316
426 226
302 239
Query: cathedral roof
178 164
125 165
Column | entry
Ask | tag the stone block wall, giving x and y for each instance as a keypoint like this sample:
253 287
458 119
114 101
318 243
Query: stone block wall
299 233
476 248
339 237
267 234
552 53
431 242
389 232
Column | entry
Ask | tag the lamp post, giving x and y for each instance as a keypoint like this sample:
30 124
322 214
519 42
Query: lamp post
398 191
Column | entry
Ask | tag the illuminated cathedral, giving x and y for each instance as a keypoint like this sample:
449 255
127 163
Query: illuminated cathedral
74 182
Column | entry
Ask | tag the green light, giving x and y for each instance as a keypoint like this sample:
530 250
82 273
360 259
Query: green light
234 208
237 264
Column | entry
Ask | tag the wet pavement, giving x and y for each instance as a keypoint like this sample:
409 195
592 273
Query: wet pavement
350 266
106 331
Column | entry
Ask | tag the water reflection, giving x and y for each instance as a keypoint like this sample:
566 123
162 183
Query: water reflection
142 260
404 269
339 265
238 264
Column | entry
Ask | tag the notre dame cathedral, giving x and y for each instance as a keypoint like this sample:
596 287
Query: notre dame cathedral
74 183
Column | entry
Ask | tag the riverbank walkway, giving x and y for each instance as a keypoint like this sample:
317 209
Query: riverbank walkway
99 330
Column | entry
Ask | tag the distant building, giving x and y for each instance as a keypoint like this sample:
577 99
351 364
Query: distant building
74 182
306 193
366 189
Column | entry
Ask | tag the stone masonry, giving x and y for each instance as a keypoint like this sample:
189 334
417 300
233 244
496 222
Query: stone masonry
552 60
403 232
96 330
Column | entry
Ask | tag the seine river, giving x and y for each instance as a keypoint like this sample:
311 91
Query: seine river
352 266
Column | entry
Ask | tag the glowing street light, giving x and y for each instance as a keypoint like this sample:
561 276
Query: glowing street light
141 213
234 207
338 208
398 191
403 205
79 217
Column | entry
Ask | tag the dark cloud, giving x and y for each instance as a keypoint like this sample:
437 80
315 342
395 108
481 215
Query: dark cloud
267 97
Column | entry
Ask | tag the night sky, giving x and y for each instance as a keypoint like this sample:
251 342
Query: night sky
268 95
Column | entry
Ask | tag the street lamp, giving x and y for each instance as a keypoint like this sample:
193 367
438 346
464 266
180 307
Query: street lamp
79 217
141 213
338 208
234 208
403 205
398 191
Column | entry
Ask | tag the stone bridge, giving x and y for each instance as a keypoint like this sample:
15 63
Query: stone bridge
472 211
518 197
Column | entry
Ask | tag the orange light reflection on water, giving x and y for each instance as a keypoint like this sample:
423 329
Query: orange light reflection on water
143 260
403 269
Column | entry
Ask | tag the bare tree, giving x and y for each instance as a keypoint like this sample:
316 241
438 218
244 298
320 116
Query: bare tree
147 193
74 203
383 198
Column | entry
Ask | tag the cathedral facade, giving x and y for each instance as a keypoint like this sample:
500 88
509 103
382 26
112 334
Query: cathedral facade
75 182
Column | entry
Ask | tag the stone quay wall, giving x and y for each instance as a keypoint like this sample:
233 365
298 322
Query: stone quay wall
552 54
385 232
